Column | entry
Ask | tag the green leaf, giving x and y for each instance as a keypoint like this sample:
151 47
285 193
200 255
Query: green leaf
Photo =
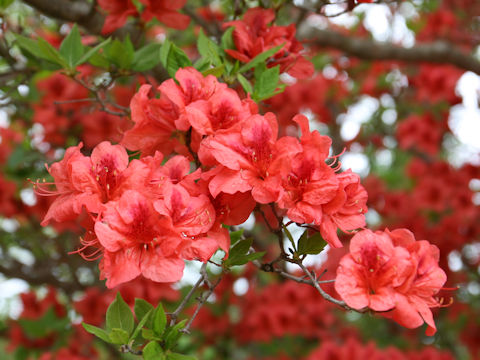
159 320
216 71
241 248
142 307
119 315
141 324
173 334
40 49
118 336
98 332
5 3
266 83
255 255
120 53
238 253
235 236
92 51
202 64
311 245
227 39
153 351
41 327
208 49
177 356
260 58
173 58
21 353
147 57
148 334
51 53
29 44
245 83
71 48
164 51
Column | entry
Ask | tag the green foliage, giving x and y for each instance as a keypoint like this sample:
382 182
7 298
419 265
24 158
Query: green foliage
260 58
48 323
311 245
266 82
119 315
71 48
146 57
239 253
173 58
120 54
153 351
159 321
70 55
151 329
208 49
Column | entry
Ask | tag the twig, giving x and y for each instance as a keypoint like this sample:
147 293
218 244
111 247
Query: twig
128 349
186 299
201 300
322 292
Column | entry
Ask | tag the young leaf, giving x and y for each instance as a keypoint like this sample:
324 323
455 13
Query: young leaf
216 71
41 49
208 49
164 51
159 320
260 58
142 307
266 84
239 252
153 351
120 53
173 334
235 236
176 59
148 334
98 332
51 53
141 324
71 48
147 57
90 52
227 39
311 245
30 45
118 336
119 315
245 83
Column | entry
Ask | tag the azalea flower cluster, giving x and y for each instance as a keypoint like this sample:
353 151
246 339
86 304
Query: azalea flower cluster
150 214
390 272
253 35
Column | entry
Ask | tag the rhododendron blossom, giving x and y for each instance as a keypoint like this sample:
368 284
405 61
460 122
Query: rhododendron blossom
393 273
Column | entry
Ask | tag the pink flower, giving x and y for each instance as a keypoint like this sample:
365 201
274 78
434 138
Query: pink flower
346 210
415 296
366 277
137 241
390 271
76 187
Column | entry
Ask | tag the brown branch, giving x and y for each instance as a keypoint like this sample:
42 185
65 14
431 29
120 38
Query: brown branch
186 299
439 52
37 276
